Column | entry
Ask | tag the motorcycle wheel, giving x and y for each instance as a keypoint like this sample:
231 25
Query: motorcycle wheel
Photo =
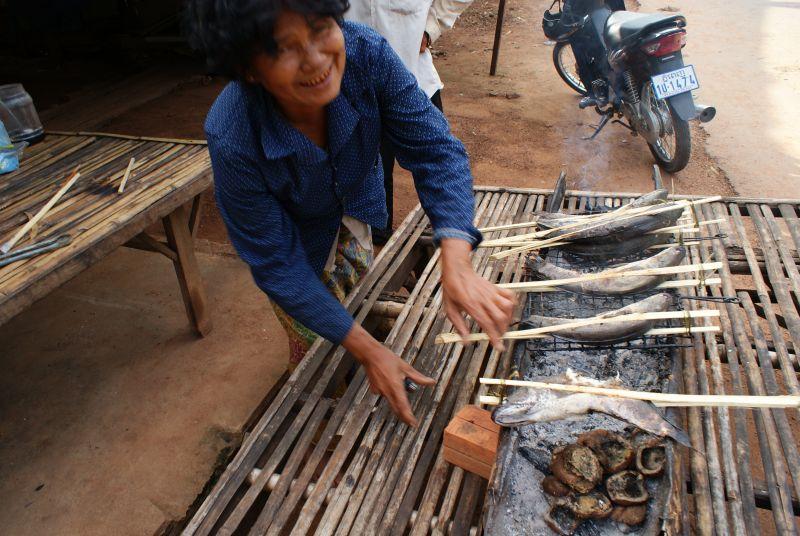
567 67
674 147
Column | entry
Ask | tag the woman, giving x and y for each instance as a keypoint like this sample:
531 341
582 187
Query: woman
298 178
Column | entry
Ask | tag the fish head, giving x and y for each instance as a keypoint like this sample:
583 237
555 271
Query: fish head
677 254
520 407
662 301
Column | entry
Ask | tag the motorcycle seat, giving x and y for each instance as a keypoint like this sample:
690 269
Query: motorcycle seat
624 27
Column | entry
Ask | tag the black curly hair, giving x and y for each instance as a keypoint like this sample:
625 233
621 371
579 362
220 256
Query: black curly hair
229 32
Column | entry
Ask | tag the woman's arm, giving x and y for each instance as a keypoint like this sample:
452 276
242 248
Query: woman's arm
267 240
440 166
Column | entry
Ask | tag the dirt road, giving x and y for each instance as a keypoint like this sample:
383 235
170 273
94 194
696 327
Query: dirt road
744 51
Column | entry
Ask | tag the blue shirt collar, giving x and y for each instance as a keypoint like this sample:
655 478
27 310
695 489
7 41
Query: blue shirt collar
280 139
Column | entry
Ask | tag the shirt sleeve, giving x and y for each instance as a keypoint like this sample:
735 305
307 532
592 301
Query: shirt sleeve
443 14
424 145
266 238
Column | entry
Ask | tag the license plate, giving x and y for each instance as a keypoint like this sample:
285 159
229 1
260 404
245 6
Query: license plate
675 82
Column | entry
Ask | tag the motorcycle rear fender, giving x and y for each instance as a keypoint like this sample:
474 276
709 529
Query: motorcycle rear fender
683 104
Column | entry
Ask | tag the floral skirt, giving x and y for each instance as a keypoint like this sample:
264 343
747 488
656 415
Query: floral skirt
352 260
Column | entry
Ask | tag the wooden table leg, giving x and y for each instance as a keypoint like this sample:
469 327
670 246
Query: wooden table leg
194 214
179 237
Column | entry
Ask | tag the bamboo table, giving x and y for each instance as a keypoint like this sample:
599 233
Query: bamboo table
317 463
165 184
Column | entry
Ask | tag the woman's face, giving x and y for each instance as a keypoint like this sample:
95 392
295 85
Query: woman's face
306 71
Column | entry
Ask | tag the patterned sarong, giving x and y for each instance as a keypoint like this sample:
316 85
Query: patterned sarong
351 262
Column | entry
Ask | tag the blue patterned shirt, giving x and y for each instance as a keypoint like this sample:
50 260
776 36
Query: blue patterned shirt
282 197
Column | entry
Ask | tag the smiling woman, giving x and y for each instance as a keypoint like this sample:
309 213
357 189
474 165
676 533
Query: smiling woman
298 178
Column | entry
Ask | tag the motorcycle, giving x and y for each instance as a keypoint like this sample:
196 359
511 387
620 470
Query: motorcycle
629 66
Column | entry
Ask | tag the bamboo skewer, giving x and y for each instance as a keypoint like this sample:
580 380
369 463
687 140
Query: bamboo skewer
749 401
127 174
605 216
658 399
523 239
657 209
611 274
446 338
678 283
5 248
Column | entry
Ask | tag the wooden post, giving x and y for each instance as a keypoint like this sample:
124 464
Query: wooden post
498 31
176 225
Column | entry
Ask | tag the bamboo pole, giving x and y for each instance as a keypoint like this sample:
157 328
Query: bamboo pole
5 248
128 137
662 399
446 338
127 174
611 274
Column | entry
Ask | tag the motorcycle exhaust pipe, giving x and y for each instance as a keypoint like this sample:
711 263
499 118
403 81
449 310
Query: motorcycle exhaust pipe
705 113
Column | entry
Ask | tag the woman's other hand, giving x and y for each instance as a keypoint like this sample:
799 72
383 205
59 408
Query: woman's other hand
386 371
467 292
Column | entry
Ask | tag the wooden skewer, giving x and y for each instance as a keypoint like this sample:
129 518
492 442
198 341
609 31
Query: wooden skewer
527 238
5 248
679 283
610 274
522 240
126 175
657 209
584 217
663 399
446 338
604 215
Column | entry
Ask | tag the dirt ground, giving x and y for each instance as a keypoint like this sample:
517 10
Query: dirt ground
113 416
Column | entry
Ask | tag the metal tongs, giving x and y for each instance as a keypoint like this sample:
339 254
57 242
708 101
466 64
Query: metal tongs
35 249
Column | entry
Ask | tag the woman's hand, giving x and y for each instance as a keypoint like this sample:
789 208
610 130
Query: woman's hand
467 292
386 371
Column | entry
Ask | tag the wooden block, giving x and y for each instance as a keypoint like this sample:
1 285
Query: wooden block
471 439
466 463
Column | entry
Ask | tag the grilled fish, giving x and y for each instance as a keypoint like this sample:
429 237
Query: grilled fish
527 406
606 332
612 285
615 250
549 220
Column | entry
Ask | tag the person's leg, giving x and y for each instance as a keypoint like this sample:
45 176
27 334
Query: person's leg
436 99
380 236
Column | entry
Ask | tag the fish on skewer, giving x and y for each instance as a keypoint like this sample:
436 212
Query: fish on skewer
551 220
606 332
622 228
611 285
527 406
615 250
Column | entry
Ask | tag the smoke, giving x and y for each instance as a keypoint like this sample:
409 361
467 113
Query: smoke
592 158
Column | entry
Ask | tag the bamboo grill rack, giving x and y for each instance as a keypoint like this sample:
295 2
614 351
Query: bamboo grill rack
321 464
99 219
